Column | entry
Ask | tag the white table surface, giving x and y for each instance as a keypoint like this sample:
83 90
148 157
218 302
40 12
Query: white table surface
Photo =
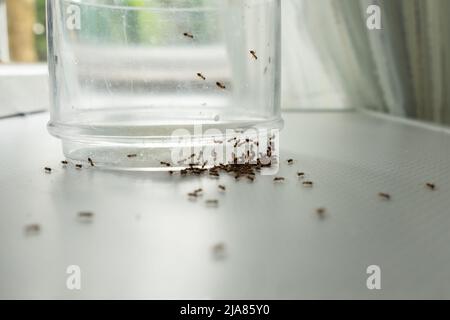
147 240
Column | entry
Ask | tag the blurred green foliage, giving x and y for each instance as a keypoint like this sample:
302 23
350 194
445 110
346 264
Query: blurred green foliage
41 42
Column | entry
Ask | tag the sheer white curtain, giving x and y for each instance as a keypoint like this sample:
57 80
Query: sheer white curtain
307 81
403 69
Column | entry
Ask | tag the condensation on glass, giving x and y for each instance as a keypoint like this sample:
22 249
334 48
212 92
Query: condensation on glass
131 79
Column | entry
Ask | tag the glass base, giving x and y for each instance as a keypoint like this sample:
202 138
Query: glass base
163 153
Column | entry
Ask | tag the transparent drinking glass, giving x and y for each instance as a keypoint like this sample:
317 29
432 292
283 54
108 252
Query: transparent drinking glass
133 80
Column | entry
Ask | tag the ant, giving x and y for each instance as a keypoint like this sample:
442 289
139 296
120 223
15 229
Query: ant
64 162
133 155
221 85
385 196
212 203
253 53
219 251
78 166
308 183
32 228
163 163
48 170
321 212
91 162
300 174
86 215
431 186
278 179
188 35
290 161
201 76
223 188
196 193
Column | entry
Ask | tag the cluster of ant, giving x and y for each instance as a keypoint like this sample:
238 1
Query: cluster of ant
246 166
237 168
241 167
237 171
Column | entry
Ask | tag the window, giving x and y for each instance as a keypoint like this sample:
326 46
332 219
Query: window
23 73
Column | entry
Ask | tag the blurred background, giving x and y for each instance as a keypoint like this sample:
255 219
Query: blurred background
331 59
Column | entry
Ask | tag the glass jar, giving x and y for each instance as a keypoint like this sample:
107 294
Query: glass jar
132 81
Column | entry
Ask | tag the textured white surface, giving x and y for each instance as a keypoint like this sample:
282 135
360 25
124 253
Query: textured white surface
147 240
